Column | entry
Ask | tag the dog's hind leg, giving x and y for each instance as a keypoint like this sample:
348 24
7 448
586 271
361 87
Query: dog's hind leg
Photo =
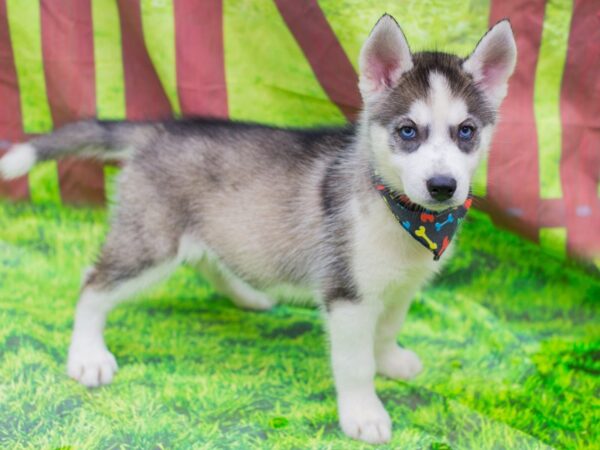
131 260
237 290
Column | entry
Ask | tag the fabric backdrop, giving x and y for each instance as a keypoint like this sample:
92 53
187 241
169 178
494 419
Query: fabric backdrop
294 63
508 336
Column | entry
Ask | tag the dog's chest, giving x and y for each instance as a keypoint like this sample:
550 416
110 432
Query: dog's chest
386 259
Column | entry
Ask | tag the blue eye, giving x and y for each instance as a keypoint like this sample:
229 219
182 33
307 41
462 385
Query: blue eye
408 133
466 132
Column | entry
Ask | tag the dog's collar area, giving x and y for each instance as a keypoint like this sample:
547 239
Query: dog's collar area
432 229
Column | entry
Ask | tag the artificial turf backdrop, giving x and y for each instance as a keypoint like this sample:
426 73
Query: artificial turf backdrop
508 334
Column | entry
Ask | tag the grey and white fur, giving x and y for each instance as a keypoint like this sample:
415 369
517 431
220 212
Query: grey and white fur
255 206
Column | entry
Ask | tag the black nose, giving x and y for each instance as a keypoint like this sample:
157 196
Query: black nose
441 187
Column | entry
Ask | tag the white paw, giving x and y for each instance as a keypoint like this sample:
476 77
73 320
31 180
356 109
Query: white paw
92 367
364 418
399 364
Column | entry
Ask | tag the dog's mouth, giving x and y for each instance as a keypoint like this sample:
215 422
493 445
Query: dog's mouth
434 207
407 203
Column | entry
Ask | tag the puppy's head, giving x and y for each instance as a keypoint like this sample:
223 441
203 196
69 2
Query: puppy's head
429 116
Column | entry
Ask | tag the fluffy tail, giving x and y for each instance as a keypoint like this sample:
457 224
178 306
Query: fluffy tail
91 138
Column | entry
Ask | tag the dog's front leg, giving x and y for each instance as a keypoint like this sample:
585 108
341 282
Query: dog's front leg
352 328
392 360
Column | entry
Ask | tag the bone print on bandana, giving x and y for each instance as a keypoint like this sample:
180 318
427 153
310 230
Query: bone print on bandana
434 230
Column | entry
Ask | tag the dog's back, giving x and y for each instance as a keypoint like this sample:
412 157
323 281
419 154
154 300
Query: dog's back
254 194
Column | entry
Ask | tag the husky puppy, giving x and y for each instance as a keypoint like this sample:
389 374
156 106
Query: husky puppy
255 206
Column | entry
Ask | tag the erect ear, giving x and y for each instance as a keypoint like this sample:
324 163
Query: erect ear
493 61
384 57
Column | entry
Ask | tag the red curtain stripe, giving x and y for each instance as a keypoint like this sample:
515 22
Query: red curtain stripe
145 97
10 108
201 83
68 52
580 115
513 191
329 62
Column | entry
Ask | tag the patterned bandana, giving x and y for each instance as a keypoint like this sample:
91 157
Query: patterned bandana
434 230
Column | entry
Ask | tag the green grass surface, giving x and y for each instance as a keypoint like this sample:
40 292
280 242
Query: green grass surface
508 335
